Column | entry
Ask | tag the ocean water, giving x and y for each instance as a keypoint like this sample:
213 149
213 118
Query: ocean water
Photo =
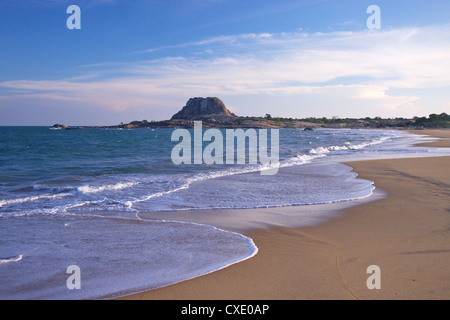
74 197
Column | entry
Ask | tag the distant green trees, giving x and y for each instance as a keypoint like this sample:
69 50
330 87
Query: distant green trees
434 120
137 123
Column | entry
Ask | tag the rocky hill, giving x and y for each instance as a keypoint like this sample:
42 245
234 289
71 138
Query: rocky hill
214 114
204 109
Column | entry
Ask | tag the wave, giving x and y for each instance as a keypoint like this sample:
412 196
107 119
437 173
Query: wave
11 259
185 184
347 146
85 196
86 189
32 198
299 159
117 186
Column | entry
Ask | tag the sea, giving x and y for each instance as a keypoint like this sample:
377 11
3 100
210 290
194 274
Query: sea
77 198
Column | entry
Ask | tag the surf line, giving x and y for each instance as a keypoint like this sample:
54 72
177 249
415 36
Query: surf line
235 152
11 259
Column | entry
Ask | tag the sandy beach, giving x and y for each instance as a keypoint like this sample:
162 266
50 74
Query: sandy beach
406 234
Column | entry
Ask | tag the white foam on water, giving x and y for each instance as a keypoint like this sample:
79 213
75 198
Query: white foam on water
11 259
115 256
117 186
32 198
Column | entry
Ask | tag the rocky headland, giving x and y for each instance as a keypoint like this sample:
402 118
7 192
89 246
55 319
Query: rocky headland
214 114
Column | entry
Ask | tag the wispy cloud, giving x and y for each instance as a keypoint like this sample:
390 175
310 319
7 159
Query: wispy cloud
347 69
404 58
223 40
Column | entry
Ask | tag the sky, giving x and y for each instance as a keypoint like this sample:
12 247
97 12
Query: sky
143 59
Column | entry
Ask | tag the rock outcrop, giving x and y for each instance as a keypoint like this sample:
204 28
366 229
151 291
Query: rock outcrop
214 114
59 126
203 109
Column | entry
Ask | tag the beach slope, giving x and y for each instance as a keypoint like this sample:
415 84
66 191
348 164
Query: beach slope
406 234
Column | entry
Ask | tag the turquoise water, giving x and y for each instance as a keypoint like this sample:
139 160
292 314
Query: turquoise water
73 197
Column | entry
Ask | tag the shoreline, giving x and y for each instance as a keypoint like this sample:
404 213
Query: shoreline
329 260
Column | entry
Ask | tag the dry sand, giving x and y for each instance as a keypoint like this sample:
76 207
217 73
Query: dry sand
406 234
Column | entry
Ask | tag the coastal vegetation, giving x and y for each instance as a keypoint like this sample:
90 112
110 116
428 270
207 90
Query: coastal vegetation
213 113
432 121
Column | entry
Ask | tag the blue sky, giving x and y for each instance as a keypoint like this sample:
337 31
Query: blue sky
136 59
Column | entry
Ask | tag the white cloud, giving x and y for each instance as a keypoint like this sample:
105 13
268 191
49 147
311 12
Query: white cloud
355 70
